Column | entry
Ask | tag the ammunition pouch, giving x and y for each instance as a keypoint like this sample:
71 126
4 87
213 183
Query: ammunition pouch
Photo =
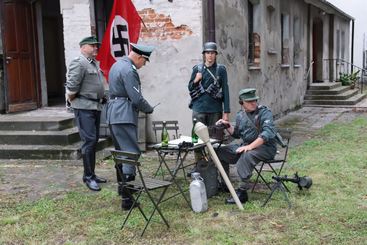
196 92
214 90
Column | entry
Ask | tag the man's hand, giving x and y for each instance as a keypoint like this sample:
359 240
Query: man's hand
244 148
70 97
198 77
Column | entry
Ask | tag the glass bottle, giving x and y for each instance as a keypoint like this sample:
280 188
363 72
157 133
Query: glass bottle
194 137
164 136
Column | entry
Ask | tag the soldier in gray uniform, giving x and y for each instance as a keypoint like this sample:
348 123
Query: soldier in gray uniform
126 100
85 92
255 126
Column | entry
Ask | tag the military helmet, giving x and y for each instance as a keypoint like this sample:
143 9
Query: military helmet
210 46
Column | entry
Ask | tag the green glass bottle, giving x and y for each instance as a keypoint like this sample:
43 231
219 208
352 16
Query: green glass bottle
194 137
165 135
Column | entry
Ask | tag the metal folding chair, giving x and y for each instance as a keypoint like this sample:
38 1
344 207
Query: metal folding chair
274 166
140 186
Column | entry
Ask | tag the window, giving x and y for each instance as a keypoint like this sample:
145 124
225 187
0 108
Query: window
338 44
285 38
253 33
343 45
296 41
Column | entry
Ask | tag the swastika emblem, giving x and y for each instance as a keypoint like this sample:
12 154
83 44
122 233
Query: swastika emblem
119 37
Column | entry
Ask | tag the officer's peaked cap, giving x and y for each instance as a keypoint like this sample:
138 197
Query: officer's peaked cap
89 40
248 94
143 50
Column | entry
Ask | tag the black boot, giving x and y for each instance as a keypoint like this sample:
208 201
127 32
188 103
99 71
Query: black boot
93 167
126 178
242 196
127 200
88 174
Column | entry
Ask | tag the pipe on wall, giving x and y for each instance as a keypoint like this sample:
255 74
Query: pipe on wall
211 20
352 48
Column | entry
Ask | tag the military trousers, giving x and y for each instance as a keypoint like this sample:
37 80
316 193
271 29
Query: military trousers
246 161
125 138
88 123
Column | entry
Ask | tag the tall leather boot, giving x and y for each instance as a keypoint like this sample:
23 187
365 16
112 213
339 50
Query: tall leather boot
127 200
93 167
88 174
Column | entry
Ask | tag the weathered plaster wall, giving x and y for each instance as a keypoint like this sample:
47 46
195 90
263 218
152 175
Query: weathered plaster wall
280 88
176 32
77 15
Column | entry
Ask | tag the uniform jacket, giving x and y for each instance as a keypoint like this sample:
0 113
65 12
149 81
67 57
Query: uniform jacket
250 126
205 103
126 99
86 79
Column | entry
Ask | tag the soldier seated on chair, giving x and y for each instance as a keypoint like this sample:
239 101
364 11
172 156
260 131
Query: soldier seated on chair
254 125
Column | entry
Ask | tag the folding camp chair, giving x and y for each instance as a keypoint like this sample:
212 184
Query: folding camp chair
141 185
274 166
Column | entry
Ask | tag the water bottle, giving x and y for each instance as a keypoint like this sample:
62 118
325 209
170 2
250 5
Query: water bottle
199 201
164 136
194 137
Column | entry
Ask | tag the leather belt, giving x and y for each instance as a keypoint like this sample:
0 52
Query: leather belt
91 99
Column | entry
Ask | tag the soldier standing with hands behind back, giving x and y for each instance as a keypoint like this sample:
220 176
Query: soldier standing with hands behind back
85 93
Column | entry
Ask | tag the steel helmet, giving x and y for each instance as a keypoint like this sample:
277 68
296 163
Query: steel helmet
210 46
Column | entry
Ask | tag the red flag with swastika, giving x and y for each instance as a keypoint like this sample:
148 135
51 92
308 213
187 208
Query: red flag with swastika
123 27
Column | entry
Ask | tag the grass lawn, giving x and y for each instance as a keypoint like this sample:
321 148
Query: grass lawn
332 211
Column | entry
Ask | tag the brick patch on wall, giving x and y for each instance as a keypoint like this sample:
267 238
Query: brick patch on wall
160 26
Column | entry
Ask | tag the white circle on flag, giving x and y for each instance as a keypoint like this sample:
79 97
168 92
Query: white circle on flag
119 37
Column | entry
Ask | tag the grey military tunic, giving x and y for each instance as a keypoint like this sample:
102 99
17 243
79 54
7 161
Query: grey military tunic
86 80
126 100
250 126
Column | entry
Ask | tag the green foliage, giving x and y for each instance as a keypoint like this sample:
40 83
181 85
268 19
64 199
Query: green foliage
332 211
349 79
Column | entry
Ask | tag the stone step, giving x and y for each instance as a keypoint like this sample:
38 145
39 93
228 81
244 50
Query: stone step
35 137
324 86
337 90
350 101
23 123
53 152
342 96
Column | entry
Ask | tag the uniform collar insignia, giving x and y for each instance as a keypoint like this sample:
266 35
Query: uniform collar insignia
133 66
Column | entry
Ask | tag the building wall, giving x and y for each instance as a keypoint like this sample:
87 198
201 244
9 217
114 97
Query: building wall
280 87
175 29
77 20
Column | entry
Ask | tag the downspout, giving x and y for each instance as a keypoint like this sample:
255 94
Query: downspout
352 48
211 21
308 45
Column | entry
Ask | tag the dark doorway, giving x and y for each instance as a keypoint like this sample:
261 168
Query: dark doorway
20 49
53 42
317 50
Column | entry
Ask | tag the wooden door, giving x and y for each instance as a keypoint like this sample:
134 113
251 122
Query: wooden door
19 52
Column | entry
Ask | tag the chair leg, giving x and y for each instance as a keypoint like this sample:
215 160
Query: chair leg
155 208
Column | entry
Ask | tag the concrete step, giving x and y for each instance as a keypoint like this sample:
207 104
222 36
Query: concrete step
342 96
324 86
350 101
53 152
35 137
337 90
23 123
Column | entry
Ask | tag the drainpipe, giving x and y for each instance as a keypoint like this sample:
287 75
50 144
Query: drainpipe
352 48
308 80
211 21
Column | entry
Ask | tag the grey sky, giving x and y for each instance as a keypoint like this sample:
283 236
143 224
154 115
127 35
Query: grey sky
356 9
